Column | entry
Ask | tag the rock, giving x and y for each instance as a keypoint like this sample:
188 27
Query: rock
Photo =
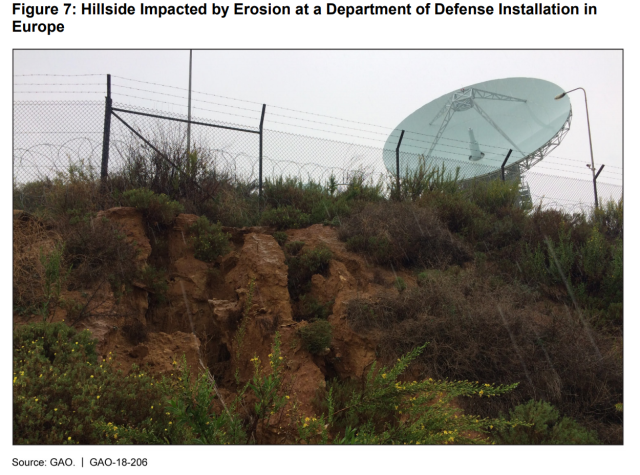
261 259
132 224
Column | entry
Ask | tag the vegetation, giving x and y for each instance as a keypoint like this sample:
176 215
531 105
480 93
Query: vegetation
316 336
157 209
209 241
65 394
303 264
514 300
547 427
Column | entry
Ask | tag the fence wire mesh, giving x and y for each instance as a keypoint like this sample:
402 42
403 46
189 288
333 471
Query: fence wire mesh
53 138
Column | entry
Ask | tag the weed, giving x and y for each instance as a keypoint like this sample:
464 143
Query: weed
242 329
309 308
400 284
286 217
385 409
493 195
54 279
156 208
155 282
608 216
293 248
552 355
545 427
208 240
99 252
402 233
280 237
63 394
191 404
303 265
316 336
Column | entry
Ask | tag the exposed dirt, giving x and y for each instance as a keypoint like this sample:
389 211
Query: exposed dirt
205 304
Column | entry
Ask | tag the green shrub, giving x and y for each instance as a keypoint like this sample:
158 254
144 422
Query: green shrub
309 308
613 279
385 407
330 210
280 237
55 277
208 239
286 217
292 192
594 255
293 248
495 194
191 401
495 337
609 218
361 188
315 261
155 282
457 213
402 234
98 251
316 336
156 208
400 284
546 427
303 266
62 393
423 179
74 190
377 247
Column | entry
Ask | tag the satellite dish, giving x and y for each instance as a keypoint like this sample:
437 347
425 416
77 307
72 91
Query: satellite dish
473 128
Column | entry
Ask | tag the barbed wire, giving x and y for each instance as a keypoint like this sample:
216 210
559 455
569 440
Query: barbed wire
59 75
58 92
319 115
285 116
180 97
436 150
59 84
285 153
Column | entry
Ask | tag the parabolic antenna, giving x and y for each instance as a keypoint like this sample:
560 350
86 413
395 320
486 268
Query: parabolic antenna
474 127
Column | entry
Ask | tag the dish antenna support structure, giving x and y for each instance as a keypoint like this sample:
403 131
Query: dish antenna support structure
466 99
473 128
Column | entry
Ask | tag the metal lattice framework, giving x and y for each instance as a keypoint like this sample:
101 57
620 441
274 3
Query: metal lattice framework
465 99
535 157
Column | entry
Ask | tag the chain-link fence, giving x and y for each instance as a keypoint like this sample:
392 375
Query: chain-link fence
57 138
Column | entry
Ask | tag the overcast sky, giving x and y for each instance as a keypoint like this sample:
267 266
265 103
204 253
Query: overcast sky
372 87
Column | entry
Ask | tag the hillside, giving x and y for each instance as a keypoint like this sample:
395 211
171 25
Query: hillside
437 313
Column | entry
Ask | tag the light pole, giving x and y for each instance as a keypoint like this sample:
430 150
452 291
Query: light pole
593 167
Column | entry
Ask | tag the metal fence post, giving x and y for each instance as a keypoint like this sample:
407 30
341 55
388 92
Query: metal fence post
595 188
260 161
505 162
189 123
104 170
398 164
